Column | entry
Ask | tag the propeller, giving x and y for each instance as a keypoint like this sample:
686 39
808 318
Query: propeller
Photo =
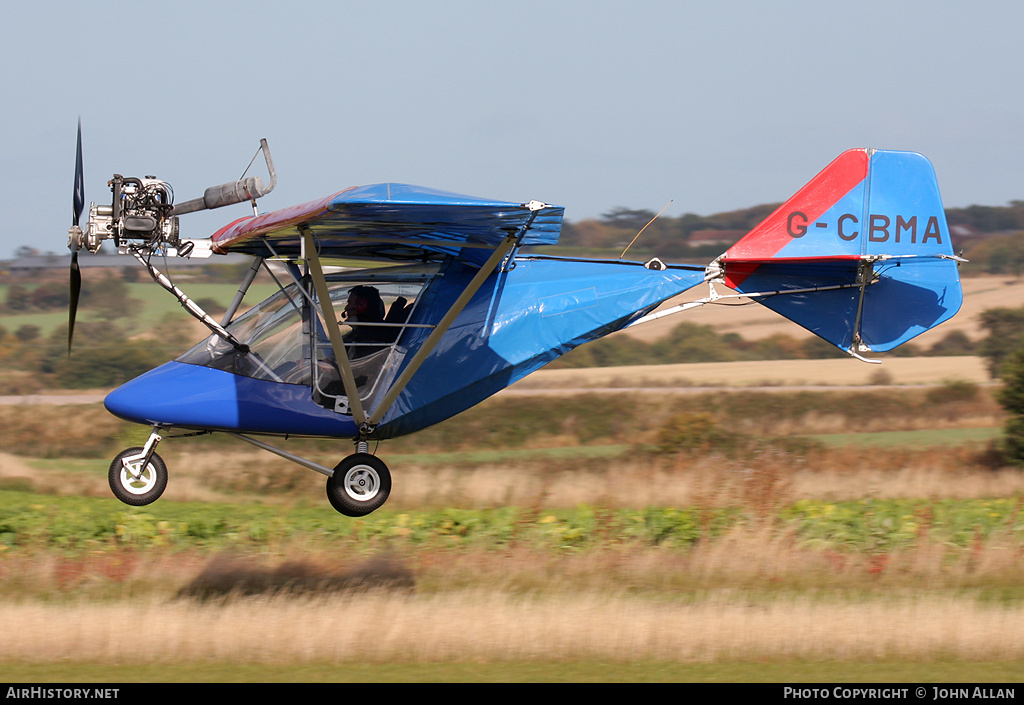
75 238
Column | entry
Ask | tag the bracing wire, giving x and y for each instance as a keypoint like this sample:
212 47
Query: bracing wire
260 149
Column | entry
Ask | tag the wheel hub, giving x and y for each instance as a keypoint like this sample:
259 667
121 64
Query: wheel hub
137 480
362 483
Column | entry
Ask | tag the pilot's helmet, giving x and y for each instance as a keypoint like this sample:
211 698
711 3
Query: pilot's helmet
365 302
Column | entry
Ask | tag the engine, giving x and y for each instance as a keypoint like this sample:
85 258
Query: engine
142 216
140 213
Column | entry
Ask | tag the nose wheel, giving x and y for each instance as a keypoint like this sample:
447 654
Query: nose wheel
360 484
136 480
138 476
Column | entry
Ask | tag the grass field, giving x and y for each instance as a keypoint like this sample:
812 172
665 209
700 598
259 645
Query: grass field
765 373
728 578
843 522
153 305
459 627
536 538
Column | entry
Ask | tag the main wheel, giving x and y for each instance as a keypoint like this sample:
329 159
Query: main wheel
133 484
360 484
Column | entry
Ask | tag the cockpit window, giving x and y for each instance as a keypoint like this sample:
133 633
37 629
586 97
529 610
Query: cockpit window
287 344
273 331
373 315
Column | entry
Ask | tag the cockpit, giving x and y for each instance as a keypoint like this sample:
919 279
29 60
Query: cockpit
283 338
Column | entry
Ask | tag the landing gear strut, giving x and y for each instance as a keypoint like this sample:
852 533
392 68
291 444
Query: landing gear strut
138 476
358 485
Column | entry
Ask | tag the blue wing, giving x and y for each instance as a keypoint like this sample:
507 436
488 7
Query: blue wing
394 222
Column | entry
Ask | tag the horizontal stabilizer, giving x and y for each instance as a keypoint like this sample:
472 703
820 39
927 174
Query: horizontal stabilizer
861 255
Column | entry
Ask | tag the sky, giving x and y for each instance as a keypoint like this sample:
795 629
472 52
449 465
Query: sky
587 104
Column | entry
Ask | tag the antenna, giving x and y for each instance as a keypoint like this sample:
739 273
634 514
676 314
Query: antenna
644 228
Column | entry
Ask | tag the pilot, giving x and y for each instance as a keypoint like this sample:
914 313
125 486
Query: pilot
364 306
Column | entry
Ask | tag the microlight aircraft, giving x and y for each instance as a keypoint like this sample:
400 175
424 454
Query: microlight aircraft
399 306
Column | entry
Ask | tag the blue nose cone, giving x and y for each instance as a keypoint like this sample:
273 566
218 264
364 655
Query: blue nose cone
176 394
190 396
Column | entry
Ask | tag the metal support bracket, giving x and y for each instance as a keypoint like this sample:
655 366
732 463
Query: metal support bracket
865 276
323 470
188 304
145 456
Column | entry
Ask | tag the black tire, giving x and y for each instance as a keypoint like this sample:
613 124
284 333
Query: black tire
361 483
141 490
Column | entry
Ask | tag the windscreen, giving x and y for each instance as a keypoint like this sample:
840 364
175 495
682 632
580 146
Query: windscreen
287 343
273 331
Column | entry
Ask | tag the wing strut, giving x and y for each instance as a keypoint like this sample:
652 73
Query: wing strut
348 379
365 423
478 280
243 288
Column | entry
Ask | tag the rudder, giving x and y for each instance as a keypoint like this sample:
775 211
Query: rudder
860 256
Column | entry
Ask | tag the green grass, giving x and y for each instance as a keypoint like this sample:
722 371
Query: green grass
911 439
157 301
35 521
46 322
153 303
878 439
89 466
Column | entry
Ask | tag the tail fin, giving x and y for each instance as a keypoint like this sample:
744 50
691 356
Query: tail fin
860 256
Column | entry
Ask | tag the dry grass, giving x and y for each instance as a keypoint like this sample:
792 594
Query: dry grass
755 593
627 483
769 373
489 626
41 430
623 480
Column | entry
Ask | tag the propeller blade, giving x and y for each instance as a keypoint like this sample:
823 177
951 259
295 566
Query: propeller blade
75 290
79 205
79 195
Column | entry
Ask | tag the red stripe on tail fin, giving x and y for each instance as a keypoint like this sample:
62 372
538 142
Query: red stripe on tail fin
815 198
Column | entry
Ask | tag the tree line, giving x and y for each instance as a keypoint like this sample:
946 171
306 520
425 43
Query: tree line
988 235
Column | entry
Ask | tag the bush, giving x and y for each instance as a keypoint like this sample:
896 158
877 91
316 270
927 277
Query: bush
27 332
1005 328
955 343
1011 396
951 392
103 356
113 366
695 433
